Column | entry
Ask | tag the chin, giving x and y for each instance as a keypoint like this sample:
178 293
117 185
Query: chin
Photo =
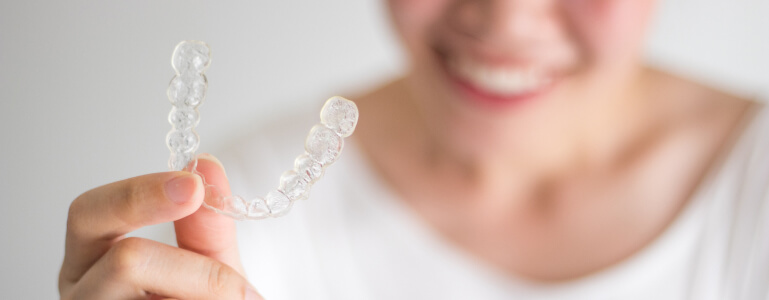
479 103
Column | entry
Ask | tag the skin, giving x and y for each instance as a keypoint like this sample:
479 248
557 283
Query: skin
560 185
553 188
100 263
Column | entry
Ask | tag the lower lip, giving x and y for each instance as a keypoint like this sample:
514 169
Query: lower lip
473 94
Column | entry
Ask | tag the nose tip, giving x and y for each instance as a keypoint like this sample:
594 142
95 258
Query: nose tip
497 20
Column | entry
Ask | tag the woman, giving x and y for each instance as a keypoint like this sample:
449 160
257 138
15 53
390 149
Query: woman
527 154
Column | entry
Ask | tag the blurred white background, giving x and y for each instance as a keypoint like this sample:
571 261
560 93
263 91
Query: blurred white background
82 89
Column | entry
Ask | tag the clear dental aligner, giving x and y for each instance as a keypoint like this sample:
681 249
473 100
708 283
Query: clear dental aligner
323 145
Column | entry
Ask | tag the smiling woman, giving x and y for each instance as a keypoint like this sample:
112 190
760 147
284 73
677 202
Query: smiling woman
527 152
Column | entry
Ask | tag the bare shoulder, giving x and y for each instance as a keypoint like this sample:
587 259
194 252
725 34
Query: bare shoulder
691 103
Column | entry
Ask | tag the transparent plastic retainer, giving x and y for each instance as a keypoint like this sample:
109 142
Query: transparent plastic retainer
323 145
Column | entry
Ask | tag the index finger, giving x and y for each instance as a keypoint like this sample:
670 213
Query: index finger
100 217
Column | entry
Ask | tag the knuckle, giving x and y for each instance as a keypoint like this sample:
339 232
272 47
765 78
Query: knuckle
76 215
129 197
128 257
218 277
131 194
126 195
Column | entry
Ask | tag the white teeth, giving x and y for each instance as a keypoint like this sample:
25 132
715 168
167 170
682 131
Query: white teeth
503 81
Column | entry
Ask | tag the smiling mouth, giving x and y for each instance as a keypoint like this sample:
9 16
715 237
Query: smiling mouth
495 83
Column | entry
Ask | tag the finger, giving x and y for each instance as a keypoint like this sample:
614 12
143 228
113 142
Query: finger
100 217
137 268
205 231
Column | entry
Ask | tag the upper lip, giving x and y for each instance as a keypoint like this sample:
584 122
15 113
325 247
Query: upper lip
499 59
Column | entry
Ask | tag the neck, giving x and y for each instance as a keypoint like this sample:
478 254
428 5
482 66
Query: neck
588 134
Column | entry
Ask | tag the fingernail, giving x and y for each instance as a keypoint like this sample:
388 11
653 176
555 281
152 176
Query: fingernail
180 189
211 158
251 294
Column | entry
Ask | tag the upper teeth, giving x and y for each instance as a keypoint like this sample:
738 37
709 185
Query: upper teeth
498 80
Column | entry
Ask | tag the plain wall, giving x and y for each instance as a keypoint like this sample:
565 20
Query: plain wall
82 89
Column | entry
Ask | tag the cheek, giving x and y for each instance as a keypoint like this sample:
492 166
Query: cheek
412 19
411 12
609 29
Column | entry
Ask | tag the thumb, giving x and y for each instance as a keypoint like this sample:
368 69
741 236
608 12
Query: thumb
206 232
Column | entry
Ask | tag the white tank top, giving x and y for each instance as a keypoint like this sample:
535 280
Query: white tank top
353 239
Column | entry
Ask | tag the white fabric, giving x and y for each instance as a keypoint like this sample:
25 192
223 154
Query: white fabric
353 239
